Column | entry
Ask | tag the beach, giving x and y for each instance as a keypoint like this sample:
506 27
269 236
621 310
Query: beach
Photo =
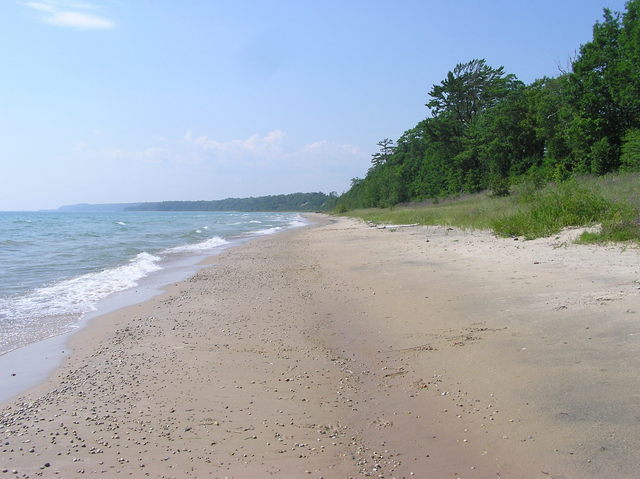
343 350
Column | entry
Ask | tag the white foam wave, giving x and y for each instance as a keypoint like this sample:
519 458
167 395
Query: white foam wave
297 222
268 231
121 223
211 243
79 295
255 221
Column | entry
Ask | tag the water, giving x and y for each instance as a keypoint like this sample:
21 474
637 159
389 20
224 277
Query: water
55 267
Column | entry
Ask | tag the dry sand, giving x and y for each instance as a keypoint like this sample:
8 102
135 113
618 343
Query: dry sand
340 350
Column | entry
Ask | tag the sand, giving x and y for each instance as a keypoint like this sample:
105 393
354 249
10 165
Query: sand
340 350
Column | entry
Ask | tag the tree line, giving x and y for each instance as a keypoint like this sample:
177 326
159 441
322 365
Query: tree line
291 202
487 129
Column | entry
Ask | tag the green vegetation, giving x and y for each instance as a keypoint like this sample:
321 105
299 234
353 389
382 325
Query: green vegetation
291 202
476 211
533 211
488 131
548 211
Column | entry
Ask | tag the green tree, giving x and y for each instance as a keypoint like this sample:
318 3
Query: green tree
605 89
630 158
468 89
382 156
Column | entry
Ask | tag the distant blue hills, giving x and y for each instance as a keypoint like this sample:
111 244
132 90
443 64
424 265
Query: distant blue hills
101 208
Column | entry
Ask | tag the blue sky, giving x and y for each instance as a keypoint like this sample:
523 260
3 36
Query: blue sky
148 100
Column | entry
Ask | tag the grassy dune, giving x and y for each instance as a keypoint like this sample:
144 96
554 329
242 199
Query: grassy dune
612 201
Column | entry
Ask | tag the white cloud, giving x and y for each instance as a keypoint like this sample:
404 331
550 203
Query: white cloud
82 21
70 14
268 144
43 7
271 146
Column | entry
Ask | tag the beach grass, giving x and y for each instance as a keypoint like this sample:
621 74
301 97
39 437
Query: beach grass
611 201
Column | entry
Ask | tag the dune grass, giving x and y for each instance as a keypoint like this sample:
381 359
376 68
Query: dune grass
613 201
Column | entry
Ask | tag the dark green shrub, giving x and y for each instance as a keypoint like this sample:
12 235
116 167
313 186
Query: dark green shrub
630 158
499 186
340 209
603 156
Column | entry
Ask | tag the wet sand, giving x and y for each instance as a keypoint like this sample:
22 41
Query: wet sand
341 350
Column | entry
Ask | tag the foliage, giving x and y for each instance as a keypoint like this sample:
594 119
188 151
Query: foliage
340 209
567 204
382 156
499 186
630 158
535 210
469 89
291 202
475 211
488 130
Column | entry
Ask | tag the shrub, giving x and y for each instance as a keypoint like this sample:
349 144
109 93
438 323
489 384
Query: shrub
552 209
603 156
499 186
630 158
340 209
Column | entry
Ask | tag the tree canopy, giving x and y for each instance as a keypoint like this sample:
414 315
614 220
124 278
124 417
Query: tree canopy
487 129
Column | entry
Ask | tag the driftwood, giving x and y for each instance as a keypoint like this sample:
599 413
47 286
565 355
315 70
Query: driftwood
383 227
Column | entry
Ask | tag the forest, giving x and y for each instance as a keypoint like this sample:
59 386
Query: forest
487 130
291 202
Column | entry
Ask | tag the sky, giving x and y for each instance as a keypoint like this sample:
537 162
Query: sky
105 101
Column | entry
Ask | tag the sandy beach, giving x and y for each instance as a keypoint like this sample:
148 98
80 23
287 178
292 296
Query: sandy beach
341 350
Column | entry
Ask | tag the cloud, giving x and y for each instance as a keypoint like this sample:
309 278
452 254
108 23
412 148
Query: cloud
43 7
269 143
272 144
70 14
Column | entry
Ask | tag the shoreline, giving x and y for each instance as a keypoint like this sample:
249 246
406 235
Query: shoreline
344 350
31 365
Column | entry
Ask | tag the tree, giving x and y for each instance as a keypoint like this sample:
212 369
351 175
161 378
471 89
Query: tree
487 128
469 89
630 158
604 85
385 152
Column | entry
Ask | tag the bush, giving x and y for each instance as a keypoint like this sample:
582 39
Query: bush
603 157
499 186
340 209
552 209
623 225
630 158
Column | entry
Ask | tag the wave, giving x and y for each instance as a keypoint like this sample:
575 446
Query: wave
78 295
211 243
53 307
14 243
297 222
268 231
